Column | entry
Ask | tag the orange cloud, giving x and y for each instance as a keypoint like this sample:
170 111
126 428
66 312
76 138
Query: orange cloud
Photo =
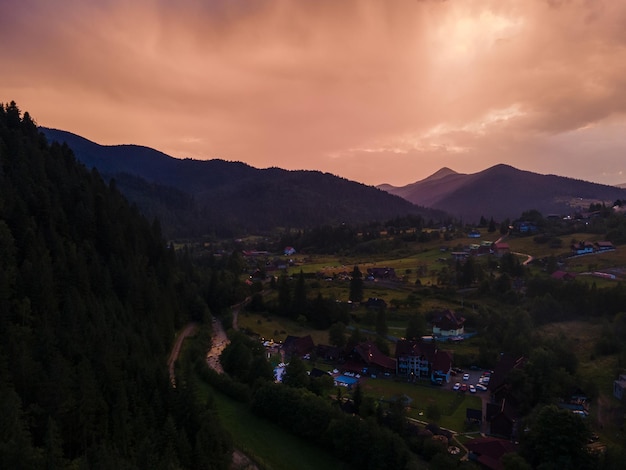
372 91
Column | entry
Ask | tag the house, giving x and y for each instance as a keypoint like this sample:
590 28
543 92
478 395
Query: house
366 355
604 246
500 249
448 323
526 227
488 451
578 401
474 234
619 387
382 273
328 353
289 250
420 359
485 248
460 255
503 419
498 385
298 346
563 276
582 248
414 358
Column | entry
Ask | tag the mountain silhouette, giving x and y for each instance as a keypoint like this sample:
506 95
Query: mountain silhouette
503 191
195 197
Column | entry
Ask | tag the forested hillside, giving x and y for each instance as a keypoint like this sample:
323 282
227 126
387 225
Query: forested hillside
90 298
197 197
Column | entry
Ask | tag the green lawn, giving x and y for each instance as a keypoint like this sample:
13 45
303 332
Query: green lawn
266 443
451 405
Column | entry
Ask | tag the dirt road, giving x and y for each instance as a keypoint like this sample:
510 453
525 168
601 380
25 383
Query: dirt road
189 330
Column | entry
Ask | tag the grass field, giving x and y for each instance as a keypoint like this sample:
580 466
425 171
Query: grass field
451 405
267 443
277 328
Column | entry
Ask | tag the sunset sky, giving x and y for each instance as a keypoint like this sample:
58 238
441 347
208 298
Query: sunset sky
376 91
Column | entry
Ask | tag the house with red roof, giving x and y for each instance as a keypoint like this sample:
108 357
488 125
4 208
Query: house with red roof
500 249
563 276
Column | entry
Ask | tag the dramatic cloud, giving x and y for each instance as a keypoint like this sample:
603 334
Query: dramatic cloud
369 90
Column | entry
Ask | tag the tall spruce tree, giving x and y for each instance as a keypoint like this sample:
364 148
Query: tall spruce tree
356 285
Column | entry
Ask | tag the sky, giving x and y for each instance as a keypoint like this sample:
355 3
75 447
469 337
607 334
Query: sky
375 91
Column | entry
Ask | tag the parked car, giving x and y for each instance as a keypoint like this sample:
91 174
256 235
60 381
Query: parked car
472 389
456 386
481 387
464 388
465 377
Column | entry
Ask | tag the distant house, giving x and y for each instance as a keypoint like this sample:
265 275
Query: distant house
503 419
366 355
485 248
328 353
376 303
298 346
604 246
420 359
577 401
382 273
619 387
488 451
460 255
526 227
563 276
289 250
448 323
502 414
582 248
501 249
474 234
498 384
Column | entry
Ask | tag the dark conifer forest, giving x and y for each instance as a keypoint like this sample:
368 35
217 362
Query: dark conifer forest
90 296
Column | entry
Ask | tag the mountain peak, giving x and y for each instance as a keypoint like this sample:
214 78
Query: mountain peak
441 173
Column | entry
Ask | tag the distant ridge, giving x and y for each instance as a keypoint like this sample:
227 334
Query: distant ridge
195 197
503 191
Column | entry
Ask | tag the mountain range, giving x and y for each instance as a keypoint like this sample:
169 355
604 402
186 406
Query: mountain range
503 191
198 197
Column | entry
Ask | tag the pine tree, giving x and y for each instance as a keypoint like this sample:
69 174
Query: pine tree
356 285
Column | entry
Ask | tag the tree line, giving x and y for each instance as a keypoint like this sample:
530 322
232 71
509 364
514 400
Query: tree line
90 296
